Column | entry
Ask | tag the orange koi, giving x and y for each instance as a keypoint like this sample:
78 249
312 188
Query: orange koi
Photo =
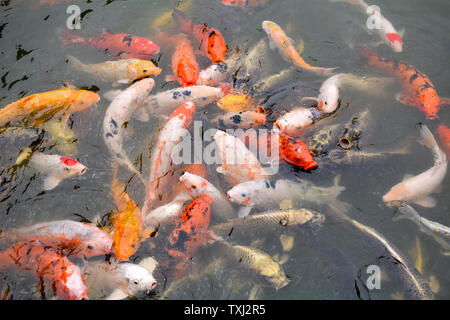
184 65
127 227
418 91
33 110
211 42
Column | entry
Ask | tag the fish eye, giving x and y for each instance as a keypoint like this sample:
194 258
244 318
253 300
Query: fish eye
243 194
90 247
66 169
136 282
145 70
326 102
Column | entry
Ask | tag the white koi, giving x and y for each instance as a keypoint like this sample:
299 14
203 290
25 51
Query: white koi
418 188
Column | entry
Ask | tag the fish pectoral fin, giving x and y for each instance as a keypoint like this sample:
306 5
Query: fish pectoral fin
141 114
244 211
406 99
117 294
427 202
147 233
272 44
50 182
112 94
123 81
407 176
401 32
170 78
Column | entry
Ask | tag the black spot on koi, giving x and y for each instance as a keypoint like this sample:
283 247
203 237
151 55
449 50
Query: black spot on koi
128 40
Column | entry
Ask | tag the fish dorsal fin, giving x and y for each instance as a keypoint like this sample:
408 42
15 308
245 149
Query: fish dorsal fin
112 94
50 182
149 264
427 202
141 114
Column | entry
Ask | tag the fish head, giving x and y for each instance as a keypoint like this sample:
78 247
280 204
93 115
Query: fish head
395 42
194 184
241 194
197 214
328 99
397 193
268 26
217 47
100 243
85 99
139 281
430 102
270 272
259 118
71 167
145 68
146 48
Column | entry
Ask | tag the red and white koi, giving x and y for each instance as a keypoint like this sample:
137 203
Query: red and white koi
171 134
52 269
65 237
417 189
239 164
197 186
55 168
119 113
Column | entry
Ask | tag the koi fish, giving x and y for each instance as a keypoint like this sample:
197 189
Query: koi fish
197 186
127 228
384 27
269 220
65 237
278 39
132 280
417 189
360 158
236 102
245 5
294 122
211 42
263 193
238 163
418 91
119 113
444 136
215 74
33 110
296 152
116 44
167 101
438 231
189 234
268 272
119 72
184 65
321 141
242 119
171 134
55 168
62 276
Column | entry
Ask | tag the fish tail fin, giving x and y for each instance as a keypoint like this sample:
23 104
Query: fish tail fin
182 21
76 64
69 38
428 140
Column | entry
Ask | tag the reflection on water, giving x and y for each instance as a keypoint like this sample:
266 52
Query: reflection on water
261 261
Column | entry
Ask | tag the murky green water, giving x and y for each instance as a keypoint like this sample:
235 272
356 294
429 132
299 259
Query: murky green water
324 263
